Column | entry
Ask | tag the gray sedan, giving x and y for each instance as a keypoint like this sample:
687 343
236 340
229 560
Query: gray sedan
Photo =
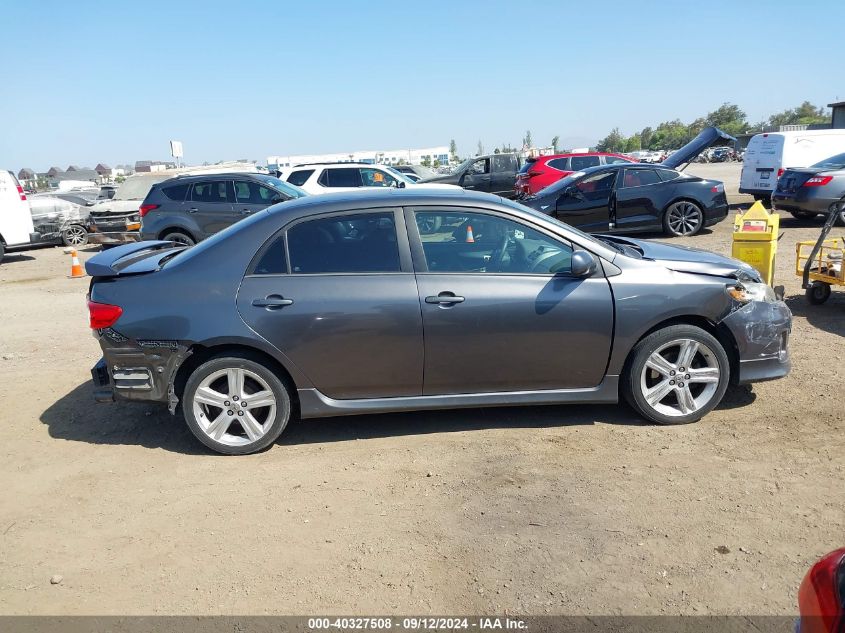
341 304
807 192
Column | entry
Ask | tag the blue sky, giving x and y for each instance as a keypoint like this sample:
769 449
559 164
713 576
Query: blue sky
114 82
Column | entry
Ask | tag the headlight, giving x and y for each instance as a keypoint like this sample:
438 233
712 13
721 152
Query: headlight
747 292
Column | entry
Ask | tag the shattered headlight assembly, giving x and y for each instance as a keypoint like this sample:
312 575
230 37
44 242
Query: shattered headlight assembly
746 292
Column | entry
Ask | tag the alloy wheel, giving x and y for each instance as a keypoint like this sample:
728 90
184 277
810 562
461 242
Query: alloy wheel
75 235
680 377
684 218
234 406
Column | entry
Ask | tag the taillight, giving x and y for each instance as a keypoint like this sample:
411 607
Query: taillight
146 208
717 188
102 314
820 600
818 181
780 172
21 193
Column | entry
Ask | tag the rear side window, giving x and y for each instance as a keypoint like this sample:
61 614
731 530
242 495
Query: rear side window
341 177
667 174
274 259
639 178
610 160
504 162
559 163
577 163
359 243
176 192
213 191
298 178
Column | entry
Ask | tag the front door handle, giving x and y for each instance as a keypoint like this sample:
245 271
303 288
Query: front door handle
193 210
272 302
444 298
246 211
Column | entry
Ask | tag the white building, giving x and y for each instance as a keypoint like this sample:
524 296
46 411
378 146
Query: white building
391 157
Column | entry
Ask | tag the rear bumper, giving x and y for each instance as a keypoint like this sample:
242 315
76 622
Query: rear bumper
761 331
716 214
756 192
802 202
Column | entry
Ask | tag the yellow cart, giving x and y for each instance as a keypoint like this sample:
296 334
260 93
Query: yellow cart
820 263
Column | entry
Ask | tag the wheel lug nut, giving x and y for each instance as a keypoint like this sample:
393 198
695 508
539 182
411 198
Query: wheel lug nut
686 377
235 397
240 412
671 382
671 373
230 412
682 369
226 403
680 384
243 404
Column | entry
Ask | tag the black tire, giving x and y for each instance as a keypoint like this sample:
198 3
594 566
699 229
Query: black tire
803 215
683 218
179 237
75 236
277 421
711 356
818 293
2 249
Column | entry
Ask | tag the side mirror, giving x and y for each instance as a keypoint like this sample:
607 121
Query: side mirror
278 199
583 264
573 192
400 184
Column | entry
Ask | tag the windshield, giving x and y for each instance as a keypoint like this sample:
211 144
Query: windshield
137 187
834 162
464 165
399 175
285 187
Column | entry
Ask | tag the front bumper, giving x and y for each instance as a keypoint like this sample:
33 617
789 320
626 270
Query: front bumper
761 331
117 237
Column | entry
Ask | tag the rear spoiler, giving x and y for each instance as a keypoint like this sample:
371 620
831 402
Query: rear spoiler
109 263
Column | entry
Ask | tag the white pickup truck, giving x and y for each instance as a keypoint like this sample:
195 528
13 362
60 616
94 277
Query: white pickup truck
15 218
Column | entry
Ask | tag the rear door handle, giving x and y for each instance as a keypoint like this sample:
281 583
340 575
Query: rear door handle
246 211
444 297
193 210
272 302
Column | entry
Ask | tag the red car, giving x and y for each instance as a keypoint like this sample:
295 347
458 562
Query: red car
821 596
540 172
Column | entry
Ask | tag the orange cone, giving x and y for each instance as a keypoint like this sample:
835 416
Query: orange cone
75 267
470 238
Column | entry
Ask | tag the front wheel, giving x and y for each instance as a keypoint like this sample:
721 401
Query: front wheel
75 235
235 405
683 218
676 375
818 293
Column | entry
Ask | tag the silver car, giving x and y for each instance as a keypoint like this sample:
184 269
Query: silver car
806 192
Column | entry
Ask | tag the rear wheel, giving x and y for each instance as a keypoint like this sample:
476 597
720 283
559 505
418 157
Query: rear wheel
683 218
179 237
803 215
818 293
75 235
676 375
235 405
2 249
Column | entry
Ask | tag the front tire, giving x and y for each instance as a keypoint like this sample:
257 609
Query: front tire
75 235
235 405
179 237
818 293
682 219
676 375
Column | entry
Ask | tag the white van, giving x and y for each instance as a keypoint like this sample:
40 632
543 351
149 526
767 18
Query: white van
770 153
15 218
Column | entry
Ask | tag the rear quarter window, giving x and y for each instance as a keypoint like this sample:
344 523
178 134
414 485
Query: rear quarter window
561 164
578 163
176 192
667 174
299 177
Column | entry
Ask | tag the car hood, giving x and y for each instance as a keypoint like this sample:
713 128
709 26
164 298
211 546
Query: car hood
433 179
430 184
707 137
686 259
115 206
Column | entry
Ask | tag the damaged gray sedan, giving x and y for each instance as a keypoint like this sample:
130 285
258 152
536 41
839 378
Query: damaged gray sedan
58 220
350 303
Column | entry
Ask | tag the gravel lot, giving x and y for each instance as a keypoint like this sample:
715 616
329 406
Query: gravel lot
577 510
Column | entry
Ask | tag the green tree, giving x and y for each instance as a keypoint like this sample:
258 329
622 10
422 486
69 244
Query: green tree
436 163
555 142
645 137
633 143
805 114
728 117
119 179
426 161
453 150
613 142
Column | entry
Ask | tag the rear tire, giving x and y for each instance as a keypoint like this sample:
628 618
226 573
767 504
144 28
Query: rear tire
818 293
179 237
2 250
235 405
676 375
803 215
75 235
683 219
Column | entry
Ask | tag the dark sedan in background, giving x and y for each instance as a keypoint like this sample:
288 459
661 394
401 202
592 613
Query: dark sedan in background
808 191
339 304
627 198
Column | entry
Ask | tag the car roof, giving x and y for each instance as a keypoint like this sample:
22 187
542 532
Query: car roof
215 176
339 164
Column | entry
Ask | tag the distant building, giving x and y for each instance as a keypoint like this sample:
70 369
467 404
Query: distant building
146 166
53 171
375 157
838 115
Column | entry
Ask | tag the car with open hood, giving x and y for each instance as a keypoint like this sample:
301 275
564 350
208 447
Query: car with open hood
627 198
340 304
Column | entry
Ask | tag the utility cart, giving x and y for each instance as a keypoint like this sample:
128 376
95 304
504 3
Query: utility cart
819 263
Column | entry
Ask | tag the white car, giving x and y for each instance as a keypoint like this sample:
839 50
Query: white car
317 178
15 219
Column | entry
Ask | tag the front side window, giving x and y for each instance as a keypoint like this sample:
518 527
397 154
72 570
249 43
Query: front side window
299 176
357 243
376 178
483 243
212 191
597 186
577 163
247 192
341 177
480 167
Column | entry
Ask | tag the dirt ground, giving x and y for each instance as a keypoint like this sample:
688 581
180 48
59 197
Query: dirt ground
575 510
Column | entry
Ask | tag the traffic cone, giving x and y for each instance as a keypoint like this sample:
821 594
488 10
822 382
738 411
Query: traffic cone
470 238
75 267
